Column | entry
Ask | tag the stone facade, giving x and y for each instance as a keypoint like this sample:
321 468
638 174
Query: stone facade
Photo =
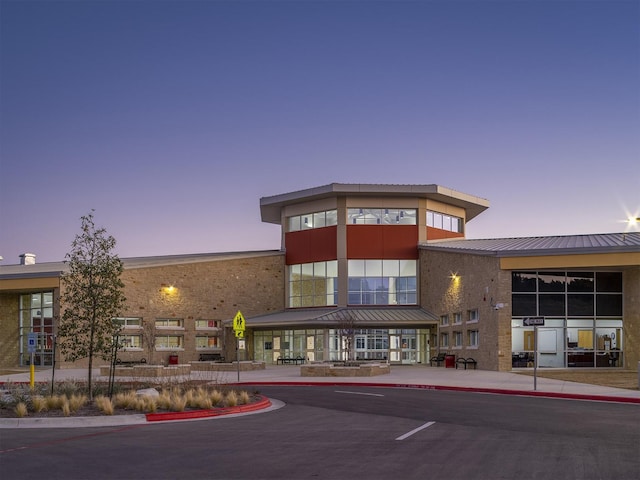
457 283
9 329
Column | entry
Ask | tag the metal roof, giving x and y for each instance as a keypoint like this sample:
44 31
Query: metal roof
334 316
49 269
534 246
270 207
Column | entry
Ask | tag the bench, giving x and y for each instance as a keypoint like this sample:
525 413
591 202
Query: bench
438 359
466 361
142 361
289 360
211 357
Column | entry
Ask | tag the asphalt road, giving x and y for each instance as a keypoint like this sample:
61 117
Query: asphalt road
350 432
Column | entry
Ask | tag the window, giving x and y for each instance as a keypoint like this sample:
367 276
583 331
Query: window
457 339
169 323
444 320
457 318
473 316
204 342
313 220
130 342
169 342
444 340
444 222
207 324
473 338
381 216
382 282
313 284
129 322
562 294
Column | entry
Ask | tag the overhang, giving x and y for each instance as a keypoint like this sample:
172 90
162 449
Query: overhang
381 317
270 207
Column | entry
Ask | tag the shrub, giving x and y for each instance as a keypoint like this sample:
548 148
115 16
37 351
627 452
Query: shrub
38 403
104 404
243 398
21 410
231 399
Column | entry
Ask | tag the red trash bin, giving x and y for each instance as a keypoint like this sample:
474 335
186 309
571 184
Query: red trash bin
449 361
173 359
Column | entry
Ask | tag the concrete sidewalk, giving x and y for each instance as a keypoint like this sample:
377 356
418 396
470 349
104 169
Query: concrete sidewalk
401 376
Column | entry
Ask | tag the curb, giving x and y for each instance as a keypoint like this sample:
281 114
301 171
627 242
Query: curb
496 391
263 403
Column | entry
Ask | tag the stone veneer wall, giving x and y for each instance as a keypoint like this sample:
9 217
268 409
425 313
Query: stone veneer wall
207 290
631 310
9 330
480 282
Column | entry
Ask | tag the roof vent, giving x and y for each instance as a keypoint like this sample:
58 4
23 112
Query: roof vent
28 259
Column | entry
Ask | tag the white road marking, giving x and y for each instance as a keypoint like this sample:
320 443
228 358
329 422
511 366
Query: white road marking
360 393
415 430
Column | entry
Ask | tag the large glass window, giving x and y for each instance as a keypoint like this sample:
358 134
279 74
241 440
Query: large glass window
382 282
444 222
313 284
36 317
582 310
381 216
313 220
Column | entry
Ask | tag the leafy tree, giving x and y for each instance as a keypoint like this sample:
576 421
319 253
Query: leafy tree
92 295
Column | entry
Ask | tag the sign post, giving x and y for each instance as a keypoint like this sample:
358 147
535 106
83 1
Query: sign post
534 322
238 328
31 348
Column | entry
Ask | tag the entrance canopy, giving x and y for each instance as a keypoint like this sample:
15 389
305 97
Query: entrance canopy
391 317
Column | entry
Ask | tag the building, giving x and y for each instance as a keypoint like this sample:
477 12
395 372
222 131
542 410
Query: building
381 272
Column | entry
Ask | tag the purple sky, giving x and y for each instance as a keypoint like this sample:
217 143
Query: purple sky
172 118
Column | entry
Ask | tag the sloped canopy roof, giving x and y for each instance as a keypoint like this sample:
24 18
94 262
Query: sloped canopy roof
327 317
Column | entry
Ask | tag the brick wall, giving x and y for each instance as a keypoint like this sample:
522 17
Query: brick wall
479 281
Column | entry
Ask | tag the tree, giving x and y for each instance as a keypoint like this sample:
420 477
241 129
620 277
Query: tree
92 296
347 330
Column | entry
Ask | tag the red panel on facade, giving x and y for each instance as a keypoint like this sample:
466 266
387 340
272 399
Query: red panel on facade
314 245
438 234
382 241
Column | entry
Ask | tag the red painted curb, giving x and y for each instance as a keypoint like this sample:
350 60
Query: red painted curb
498 391
264 402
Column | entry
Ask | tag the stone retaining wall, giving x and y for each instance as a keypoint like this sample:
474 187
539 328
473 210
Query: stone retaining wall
324 370
147 371
226 367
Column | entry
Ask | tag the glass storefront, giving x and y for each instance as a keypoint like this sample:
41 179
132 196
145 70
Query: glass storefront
400 346
582 319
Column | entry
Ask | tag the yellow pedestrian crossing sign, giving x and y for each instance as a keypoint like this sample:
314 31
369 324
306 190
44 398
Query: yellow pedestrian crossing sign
238 324
239 334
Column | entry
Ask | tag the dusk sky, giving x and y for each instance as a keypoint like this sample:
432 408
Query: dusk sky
172 118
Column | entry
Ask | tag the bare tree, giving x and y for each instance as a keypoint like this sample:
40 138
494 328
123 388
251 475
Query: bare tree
149 338
92 297
347 330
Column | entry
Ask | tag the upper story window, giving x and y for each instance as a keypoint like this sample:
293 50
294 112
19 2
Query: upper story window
570 293
313 220
457 318
444 320
381 216
382 282
444 222
473 316
313 284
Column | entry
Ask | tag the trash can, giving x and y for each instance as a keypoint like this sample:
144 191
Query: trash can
173 359
449 361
